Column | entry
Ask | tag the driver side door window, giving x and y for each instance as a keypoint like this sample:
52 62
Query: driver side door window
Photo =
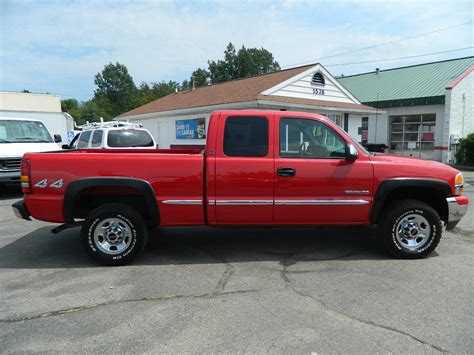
304 138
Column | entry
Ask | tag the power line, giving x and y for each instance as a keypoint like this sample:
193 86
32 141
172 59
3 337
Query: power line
407 57
383 44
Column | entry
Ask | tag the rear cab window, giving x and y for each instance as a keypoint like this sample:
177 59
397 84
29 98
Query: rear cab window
246 136
124 138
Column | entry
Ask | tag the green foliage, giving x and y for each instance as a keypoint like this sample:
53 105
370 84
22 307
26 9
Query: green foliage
115 87
146 94
70 106
244 63
465 153
201 77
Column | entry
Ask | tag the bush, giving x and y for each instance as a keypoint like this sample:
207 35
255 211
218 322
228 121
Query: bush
465 153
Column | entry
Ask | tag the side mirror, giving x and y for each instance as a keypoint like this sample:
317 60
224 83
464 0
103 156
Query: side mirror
65 146
57 138
351 152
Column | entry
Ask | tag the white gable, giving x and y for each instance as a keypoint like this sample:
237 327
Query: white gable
301 86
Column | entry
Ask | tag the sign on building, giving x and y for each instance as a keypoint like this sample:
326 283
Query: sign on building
194 128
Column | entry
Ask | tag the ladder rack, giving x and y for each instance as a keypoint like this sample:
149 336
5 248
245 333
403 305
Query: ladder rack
110 124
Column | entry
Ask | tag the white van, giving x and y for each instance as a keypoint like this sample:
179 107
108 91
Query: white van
17 137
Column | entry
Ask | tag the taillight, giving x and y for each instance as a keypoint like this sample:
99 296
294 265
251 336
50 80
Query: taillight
25 177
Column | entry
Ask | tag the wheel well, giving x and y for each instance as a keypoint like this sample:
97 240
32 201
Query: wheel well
435 198
92 197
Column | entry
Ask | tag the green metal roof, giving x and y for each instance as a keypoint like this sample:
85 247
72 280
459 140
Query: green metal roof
422 84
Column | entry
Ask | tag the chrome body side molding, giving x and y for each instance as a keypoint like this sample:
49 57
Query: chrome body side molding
243 202
182 202
320 202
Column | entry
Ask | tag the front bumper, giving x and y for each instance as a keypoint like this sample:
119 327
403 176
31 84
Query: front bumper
457 208
19 209
10 176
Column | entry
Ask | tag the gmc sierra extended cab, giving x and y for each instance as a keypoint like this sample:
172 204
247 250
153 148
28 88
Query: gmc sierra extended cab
259 168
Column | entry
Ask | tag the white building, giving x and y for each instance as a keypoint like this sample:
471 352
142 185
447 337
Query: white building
428 107
43 107
181 119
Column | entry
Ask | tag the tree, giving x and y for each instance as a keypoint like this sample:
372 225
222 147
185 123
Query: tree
71 106
115 87
244 63
201 77
146 94
465 153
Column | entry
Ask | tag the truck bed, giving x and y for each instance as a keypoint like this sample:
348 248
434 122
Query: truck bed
174 174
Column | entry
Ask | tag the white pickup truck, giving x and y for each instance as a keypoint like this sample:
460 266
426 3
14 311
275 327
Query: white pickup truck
17 137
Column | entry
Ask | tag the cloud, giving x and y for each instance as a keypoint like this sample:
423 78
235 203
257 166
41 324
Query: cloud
59 46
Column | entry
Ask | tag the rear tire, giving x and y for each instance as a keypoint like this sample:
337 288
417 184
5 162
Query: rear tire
114 234
410 229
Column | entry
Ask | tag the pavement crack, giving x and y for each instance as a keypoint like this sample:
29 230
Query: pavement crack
356 319
225 277
71 310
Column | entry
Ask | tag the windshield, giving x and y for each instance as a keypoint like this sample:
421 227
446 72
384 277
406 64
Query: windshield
16 131
129 138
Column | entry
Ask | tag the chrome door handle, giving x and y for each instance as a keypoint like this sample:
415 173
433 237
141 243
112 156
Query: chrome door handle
286 172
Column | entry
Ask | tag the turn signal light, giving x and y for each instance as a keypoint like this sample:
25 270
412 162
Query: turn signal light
459 184
25 177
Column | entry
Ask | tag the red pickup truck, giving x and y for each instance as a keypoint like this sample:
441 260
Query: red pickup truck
259 168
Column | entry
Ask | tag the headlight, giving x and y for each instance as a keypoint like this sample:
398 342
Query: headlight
458 184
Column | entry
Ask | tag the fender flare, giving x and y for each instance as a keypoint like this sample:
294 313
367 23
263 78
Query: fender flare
76 186
388 186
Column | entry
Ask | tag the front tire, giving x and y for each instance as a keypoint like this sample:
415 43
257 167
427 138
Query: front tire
114 234
410 229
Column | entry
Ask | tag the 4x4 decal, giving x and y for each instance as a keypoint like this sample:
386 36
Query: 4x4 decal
44 183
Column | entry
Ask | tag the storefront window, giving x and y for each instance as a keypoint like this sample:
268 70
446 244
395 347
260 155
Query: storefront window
412 134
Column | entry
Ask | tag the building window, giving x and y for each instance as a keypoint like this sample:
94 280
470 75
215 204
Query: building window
318 79
412 133
246 136
337 119
364 131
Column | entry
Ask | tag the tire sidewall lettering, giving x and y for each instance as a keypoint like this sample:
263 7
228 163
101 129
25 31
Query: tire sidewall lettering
431 238
90 236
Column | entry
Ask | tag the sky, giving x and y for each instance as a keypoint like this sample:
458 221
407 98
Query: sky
58 46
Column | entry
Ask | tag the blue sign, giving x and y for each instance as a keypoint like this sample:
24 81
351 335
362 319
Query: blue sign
191 129
70 135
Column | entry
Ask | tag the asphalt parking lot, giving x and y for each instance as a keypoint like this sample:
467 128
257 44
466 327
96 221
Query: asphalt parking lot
312 290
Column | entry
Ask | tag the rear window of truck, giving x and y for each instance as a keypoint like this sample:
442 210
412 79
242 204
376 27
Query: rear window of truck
246 136
129 138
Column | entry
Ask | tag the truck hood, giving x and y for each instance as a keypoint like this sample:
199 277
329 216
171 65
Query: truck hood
391 165
11 150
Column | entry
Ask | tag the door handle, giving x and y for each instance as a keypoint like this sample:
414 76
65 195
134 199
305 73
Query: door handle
286 172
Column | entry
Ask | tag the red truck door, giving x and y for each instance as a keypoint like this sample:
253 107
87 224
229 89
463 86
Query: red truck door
314 183
244 169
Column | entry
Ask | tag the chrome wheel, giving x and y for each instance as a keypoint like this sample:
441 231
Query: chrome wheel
413 231
112 236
